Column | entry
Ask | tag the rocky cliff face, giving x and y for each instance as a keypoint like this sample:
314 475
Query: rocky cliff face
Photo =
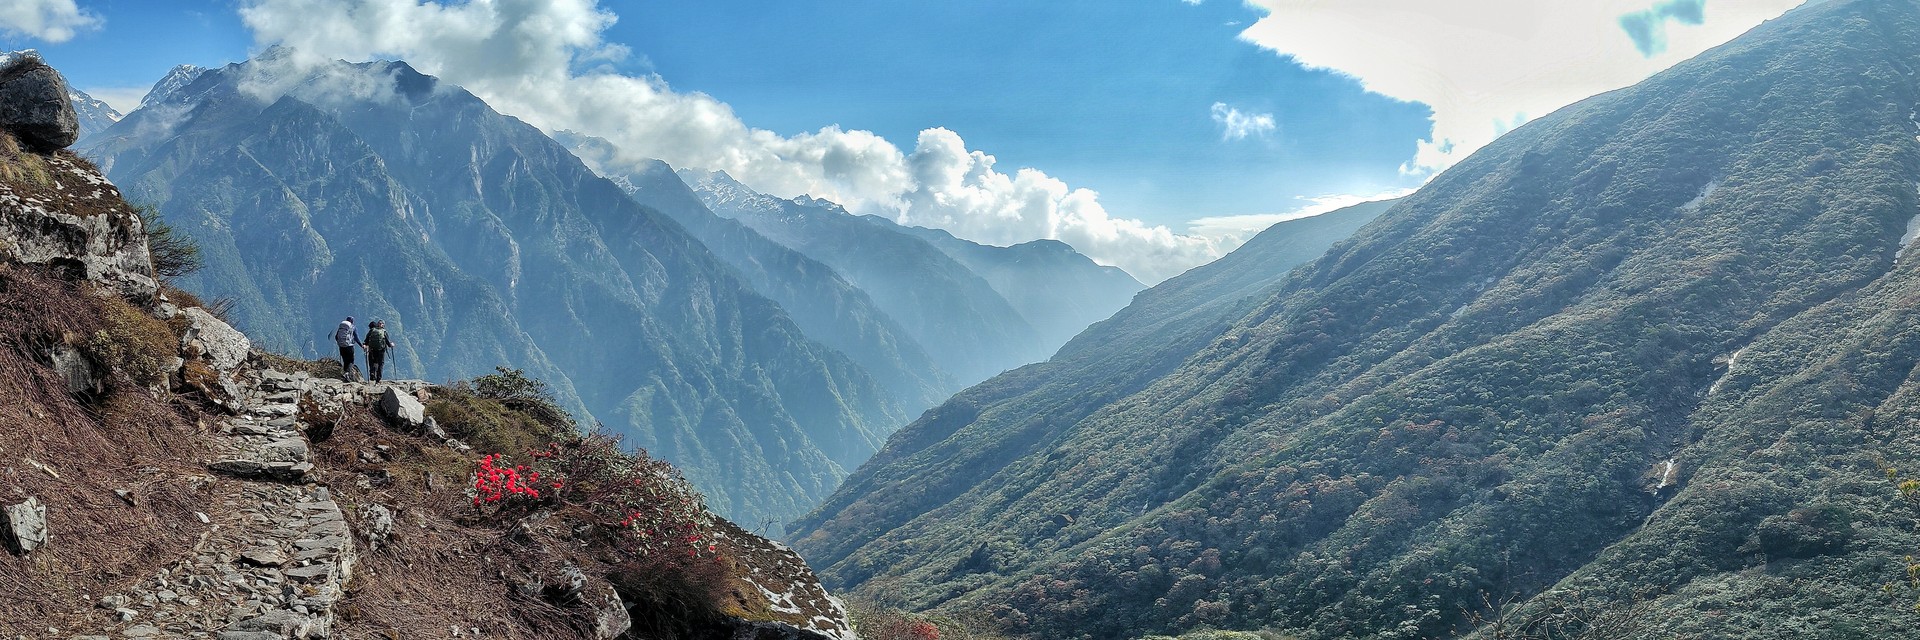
166 479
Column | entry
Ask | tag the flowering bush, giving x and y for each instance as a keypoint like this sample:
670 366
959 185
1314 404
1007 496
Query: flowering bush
493 483
645 502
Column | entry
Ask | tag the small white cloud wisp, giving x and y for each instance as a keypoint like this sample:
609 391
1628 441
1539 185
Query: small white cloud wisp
52 21
1487 66
545 61
1237 125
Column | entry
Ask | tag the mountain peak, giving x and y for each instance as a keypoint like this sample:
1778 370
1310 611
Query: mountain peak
176 79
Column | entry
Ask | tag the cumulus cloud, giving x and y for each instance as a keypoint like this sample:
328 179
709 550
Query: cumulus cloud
545 61
960 190
47 20
1236 124
1487 66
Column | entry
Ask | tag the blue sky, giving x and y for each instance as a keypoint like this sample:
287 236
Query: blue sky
1114 126
1112 96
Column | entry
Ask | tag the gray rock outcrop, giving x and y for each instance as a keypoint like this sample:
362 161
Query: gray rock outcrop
74 368
34 104
76 222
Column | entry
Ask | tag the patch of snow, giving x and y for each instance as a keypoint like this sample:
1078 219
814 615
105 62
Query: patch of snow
1715 387
778 602
1913 231
1706 191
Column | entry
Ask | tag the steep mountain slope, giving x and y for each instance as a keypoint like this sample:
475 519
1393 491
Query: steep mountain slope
824 305
968 328
1058 290
1634 370
372 190
990 426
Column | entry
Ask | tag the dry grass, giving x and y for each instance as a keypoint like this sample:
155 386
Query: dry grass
133 342
124 440
444 567
30 174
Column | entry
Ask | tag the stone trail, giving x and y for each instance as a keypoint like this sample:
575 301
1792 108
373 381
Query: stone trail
279 550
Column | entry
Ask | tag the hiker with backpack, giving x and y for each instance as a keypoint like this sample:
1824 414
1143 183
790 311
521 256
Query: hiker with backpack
345 336
377 344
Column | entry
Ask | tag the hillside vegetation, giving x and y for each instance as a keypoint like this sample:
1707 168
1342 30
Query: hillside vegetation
1641 368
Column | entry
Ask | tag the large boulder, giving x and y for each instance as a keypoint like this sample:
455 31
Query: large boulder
223 346
34 103
402 409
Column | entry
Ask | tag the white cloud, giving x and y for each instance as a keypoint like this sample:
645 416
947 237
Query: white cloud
545 62
1236 124
1232 231
47 20
1487 66
961 191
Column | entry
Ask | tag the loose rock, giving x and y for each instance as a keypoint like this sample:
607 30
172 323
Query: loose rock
402 409
25 526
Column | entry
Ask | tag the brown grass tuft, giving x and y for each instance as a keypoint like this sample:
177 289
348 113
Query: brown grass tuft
132 343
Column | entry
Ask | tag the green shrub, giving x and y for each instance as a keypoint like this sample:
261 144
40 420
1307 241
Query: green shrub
173 254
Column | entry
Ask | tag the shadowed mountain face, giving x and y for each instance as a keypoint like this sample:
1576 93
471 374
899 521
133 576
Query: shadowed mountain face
822 303
1056 289
968 328
1637 369
374 191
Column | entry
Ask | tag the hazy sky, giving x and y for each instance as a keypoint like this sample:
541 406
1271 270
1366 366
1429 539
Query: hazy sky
1152 134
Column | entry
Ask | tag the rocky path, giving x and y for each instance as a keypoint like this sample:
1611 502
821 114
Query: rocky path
278 551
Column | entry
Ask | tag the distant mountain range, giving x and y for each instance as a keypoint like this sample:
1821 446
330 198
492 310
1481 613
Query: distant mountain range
1642 368
942 292
1055 288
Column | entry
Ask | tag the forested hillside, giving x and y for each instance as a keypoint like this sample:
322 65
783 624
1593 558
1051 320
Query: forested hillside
1640 368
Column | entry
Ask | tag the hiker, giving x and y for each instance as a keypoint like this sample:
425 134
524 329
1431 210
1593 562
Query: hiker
377 345
345 337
